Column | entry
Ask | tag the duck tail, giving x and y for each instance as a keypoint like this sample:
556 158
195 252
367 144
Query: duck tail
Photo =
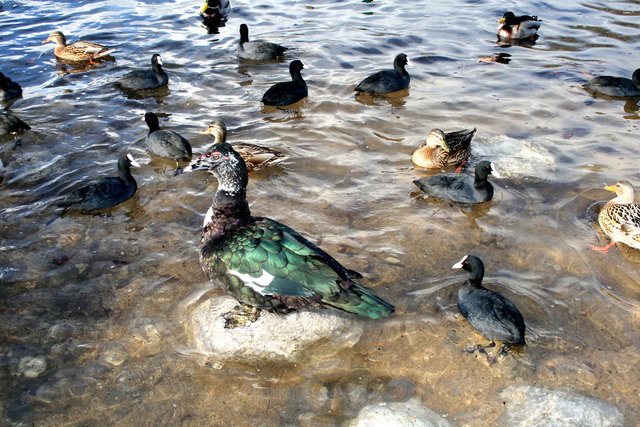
360 300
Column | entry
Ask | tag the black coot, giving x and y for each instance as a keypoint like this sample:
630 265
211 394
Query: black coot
11 124
615 86
461 188
257 50
105 192
387 81
493 315
145 79
165 143
286 93
9 89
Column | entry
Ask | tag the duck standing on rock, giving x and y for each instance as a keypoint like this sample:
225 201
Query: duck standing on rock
265 264
79 51
620 217
490 313
518 27
255 157
442 150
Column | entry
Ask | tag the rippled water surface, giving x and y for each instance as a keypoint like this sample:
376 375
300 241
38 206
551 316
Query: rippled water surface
92 308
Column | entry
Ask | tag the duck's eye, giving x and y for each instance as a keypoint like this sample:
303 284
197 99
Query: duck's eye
216 156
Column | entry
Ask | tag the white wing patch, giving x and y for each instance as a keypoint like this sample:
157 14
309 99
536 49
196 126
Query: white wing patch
258 284
208 217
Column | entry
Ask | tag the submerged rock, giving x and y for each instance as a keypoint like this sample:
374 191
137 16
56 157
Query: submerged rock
399 414
526 406
272 336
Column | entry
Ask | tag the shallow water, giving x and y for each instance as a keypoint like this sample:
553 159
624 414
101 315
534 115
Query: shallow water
92 308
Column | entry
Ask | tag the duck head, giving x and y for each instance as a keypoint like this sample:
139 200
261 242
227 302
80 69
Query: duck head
225 164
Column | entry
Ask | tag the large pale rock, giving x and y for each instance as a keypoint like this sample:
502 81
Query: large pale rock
399 414
273 336
528 406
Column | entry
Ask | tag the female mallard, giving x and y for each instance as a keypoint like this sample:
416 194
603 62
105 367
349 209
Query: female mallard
615 86
78 51
255 156
518 27
441 149
620 218
262 262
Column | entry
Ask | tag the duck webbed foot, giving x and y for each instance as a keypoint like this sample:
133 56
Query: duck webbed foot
241 315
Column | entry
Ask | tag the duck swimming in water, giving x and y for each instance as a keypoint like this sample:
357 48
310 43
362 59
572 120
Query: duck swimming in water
78 51
518 27
257 50
262 262
255 157
442 150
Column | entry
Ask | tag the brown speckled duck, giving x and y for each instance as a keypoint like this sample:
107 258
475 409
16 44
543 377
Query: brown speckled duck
620 218
78 51
255 156
444 149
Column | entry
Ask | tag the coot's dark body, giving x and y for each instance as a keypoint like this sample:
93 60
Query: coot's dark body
286 93
105 192
491 314
387 81
145 79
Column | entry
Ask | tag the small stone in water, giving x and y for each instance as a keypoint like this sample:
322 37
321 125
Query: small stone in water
31 367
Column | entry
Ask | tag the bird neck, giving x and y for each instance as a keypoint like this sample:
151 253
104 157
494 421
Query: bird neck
399 69
125 174
244 36
157 68
296 76
480 181
474 278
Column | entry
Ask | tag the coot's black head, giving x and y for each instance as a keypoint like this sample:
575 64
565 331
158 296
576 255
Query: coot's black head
152 121
484 168
225 164
244 33
125 161
636 77
296 66
508 19
399 63
156 61
474 266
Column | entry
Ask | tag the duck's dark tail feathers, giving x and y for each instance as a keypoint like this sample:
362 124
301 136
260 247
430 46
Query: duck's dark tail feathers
362 301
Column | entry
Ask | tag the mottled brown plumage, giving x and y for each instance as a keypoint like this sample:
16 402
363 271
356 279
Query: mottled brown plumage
620 217
444 149
255 156
78 51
